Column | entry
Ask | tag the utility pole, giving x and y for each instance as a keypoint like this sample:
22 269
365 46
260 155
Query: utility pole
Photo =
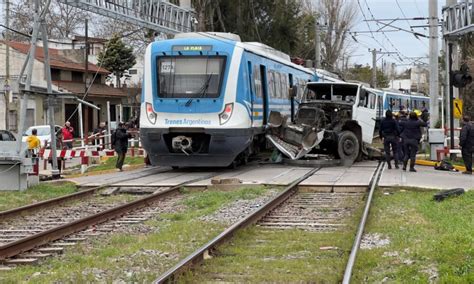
7 86
317 42
374 64
86 56
38 25
434 84
374 68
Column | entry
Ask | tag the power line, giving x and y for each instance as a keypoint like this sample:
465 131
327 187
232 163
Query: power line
383 33
417 7
368 26
403 13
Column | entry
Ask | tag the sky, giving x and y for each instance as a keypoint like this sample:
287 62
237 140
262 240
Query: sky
406 43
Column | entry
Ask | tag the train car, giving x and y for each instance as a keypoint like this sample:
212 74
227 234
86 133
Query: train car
401 101
207 98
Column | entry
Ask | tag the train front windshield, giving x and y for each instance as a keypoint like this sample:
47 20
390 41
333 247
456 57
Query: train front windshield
190 77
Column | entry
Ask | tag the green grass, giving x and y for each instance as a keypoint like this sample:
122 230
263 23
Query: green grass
436 236
277 256
126 256
43 191
109 164
259 255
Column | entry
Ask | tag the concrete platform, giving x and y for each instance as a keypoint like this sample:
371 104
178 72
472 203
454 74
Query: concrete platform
426 177
341 179
96 180
276 175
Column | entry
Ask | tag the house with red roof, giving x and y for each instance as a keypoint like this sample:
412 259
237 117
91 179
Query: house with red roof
68 73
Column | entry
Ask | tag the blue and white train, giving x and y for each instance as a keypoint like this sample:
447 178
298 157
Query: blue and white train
207 98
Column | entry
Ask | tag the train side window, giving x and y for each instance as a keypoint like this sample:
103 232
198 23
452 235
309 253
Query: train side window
276 84
251 79
271 84
285 87
257 82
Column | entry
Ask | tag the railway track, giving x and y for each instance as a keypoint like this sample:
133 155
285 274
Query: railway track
28 246
31 208
310 211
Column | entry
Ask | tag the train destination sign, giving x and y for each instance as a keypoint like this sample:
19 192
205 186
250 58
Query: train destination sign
192 47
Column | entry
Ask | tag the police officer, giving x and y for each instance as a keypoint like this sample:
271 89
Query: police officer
411 135
389 131
466 141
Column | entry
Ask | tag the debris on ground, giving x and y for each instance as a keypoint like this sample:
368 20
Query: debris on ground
440 196
373 240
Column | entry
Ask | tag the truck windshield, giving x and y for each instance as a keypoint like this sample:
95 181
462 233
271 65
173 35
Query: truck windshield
190 77
331 92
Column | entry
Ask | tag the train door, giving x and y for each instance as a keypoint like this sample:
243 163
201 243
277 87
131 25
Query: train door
263 76
366 113
292 100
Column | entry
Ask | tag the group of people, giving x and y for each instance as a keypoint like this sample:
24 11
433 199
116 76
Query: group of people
64 140
402 135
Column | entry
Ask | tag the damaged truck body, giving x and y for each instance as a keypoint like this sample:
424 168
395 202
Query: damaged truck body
335 119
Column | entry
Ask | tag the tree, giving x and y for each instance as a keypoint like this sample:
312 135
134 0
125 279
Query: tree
116 57
339 17
364 74
138 38
62 21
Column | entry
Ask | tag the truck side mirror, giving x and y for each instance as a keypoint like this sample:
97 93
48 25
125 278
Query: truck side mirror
292 92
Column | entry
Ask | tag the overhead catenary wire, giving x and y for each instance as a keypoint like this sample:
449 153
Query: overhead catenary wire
368 26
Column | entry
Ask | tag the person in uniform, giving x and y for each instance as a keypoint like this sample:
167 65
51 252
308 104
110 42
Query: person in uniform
120 142
411 134
390 132
466 141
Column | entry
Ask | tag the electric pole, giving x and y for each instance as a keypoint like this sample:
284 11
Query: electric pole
434 84
317 43
374 63
374 68
7 87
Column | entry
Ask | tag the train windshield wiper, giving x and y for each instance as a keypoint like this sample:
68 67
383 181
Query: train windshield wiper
203 90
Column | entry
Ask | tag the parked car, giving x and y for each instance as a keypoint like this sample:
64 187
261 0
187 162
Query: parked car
43 134
6 135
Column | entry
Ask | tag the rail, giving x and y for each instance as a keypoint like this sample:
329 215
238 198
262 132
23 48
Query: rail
59 200
252 218
31 242
360 230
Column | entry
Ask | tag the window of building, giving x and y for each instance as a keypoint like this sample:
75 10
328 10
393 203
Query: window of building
132 71
77 76
55 74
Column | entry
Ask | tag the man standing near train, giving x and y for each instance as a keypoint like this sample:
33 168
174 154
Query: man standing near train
466 141
120 142
411 135
389 132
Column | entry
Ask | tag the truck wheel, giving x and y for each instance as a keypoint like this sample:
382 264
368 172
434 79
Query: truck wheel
348 147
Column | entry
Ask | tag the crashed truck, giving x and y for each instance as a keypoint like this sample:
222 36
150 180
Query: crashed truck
335 120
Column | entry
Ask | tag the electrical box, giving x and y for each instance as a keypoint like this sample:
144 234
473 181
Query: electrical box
436 135
13 174
436 140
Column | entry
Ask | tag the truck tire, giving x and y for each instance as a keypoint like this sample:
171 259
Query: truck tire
348 147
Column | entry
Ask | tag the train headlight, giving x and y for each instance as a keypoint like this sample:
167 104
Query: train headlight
226 114
150 113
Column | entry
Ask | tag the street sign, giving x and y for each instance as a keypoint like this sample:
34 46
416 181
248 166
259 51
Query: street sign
457 108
